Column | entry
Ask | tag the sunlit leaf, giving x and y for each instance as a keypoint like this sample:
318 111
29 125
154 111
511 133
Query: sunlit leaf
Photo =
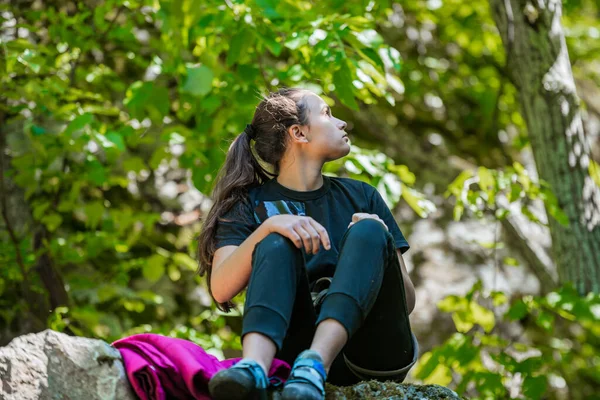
198 81
154 268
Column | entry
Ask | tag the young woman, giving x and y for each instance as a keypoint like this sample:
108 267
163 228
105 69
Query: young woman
327 289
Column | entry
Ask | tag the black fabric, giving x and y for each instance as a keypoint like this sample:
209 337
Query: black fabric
332 205
366 296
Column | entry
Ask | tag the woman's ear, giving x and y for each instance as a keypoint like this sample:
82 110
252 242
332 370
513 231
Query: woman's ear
297 134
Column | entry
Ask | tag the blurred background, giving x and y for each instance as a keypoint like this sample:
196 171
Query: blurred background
478 121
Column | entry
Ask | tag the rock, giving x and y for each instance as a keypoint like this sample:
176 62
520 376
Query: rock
52 365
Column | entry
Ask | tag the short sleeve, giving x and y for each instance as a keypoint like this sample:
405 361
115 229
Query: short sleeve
377 206
235 225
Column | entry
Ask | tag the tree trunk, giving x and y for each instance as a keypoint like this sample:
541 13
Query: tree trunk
538 65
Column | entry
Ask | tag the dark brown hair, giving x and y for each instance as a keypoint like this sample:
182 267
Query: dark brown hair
273 116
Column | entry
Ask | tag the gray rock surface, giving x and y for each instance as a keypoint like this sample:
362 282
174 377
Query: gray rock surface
52 365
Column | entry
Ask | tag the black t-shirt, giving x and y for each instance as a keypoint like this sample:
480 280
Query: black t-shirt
332 205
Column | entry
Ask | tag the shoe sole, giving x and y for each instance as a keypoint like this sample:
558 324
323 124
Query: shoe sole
226 389
299 393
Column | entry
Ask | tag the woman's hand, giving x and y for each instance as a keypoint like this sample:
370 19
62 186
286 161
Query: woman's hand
300 230
358 216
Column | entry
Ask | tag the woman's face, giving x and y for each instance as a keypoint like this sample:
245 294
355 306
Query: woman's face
326 136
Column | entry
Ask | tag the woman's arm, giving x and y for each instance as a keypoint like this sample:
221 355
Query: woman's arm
409 288
232 266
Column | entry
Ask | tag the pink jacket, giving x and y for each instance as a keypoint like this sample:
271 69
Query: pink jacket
160 367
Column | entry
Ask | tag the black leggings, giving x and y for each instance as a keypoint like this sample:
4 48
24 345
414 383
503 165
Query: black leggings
366 296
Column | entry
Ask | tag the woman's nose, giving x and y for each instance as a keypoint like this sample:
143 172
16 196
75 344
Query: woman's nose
342 125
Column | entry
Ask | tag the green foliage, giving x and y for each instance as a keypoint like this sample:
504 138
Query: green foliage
99 102
392 181
556 342
513 185
100 106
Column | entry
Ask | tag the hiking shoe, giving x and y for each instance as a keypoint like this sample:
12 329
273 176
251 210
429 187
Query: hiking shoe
307 378
244 380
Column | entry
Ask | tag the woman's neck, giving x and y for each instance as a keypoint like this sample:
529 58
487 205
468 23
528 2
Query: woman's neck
300 176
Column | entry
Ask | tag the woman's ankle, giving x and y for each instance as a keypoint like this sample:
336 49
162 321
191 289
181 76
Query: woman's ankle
330 338
260 349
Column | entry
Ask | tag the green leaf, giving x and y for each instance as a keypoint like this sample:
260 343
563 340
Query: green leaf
37 130
529 214
95 172
135 164
459 208
534 387
489 384
426 365
545 320
52 221
393 56
78 123
370 38
498 298
272 44
30 59
551 203
417 201
173 272
405 175
297 40
342 78
463 321
594 171
518 310
94 212
240 44
117 139
136 98
199 81
501 213
451 303
486 179
185 261
510 261
491 245
269 8
483 316
154 268
456 187
39 210
159 103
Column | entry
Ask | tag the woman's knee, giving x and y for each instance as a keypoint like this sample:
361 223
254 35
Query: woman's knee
276 243
368 231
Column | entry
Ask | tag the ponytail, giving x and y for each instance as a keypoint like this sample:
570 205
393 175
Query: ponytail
240 171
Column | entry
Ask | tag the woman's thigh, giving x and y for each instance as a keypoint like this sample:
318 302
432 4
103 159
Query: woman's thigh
384 343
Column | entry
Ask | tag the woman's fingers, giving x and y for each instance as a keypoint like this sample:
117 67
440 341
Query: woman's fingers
305 236
314 235
322 232
303 231
294 237
360 216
